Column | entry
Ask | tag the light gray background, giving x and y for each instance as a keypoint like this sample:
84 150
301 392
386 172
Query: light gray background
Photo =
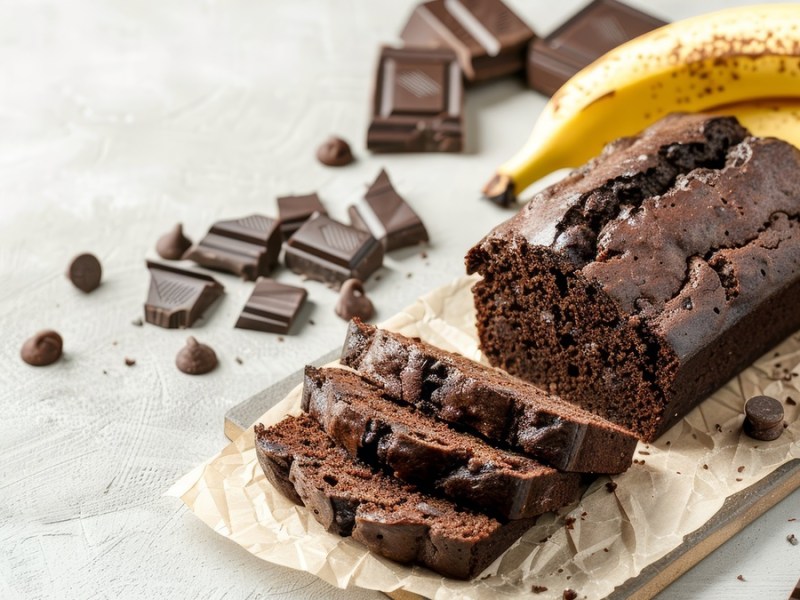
118 119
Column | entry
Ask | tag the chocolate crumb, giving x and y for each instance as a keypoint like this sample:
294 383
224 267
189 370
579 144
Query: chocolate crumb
538 589
378 277
105 372
570 594
740 469
425 255
790 401
740 577
137 322
569 523
645 452
129 362
669 443
239 360
280 339
605 549
705 466
738 479
409 275
718 427
611 486
792 539
311 322
791 520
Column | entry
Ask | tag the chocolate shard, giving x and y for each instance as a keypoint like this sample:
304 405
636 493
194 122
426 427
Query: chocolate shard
272 307
418 102
177 297
599 27
389 218
248 247
293 211
332 252
487 36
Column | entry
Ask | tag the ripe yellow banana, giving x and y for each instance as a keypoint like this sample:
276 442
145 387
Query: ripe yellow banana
721 58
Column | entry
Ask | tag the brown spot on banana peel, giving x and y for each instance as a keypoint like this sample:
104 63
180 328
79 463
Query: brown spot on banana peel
500 190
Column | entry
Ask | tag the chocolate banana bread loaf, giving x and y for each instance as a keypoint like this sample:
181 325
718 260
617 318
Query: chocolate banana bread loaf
388 516
504 410
652 275
418 449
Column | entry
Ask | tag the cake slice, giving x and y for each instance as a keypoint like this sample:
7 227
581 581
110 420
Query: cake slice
649 277
421 450
389 517
501 408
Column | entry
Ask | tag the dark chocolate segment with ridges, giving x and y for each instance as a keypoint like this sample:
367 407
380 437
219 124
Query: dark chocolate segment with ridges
418 102
332 252
650 276
599 27
389 517
293 211
272 307
177 297
487 36
248 247
502 409
418 449
387 216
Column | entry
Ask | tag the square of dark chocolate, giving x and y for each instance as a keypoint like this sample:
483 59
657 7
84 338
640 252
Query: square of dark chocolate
487 36
332 252
178 297
599 27
293 211
418 102
272 307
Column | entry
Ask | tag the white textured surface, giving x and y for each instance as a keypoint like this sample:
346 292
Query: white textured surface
118 119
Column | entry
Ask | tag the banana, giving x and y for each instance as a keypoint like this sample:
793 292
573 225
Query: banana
720 59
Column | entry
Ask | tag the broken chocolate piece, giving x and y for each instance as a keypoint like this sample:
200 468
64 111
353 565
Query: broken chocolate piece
177 297
388 217
293 211
173 244
85 272
489 39
334 152
42 349
248 247
353 302
418 102
196 358
272 307
331 252
599 27
763 418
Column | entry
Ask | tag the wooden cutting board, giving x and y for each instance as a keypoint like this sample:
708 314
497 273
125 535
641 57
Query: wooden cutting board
739 510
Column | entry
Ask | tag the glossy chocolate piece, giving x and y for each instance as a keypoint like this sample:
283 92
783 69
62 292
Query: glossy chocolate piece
293 211
177 297
418 102
763 418
272 307
248 247
173 244
42 349
388 217
487 37
332 252
599 27
196 358
85 272
353 302
334 152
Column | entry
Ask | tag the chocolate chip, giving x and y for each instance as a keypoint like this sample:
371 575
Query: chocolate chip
196 358
42 349
85 272
334 152
353 302
173 244
763 418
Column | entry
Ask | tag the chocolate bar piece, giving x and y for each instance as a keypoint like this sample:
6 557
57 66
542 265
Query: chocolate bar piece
599 27
248 247
272 307
329 251
488 38
177 297
389 218
293 211
418 102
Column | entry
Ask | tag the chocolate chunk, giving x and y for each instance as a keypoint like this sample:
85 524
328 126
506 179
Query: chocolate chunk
177 297
42 349
388 217
596 29
272 307
196 358
763 418
293 211
85 272
353 302
334 152
173 244
329 251
418 102
248 247
488 38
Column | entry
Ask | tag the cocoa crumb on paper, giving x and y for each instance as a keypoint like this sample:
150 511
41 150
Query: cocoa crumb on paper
740 578
570 594
569 523
740 469
611 486
129 362
538 589
792 539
